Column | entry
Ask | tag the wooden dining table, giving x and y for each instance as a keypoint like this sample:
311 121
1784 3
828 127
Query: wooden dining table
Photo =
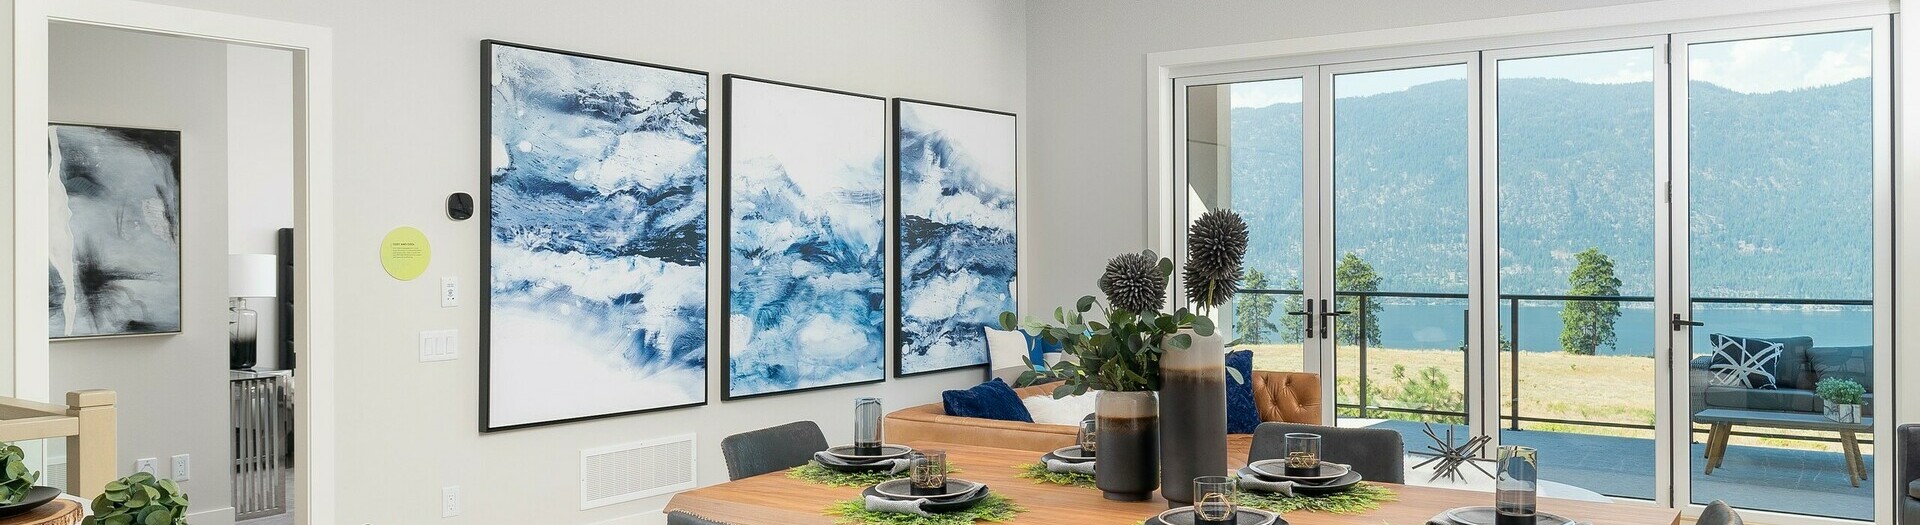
775 499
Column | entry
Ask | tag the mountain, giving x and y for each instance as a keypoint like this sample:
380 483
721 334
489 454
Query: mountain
1781 188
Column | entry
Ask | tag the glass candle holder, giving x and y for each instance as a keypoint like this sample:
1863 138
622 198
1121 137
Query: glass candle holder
929 472
1213 499
1089 437
1516 485
866 426
1303 454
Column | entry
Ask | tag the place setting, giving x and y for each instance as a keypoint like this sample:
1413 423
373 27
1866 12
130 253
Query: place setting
1301 472
1516 491
1216 502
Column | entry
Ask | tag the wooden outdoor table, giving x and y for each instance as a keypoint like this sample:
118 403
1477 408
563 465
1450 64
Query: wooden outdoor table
774 499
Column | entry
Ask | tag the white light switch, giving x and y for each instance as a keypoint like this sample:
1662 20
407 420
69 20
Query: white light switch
439 345
449 291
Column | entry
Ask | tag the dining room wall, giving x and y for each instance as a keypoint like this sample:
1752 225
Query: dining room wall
407 112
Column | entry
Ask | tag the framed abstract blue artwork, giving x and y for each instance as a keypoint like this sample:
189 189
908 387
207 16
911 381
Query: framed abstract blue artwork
956 263
806 190
114 231
595 237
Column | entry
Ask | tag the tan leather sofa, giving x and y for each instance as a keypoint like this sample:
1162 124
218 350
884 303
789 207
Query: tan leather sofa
1292 397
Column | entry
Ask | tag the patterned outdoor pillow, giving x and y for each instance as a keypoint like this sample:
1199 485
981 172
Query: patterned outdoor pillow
1745 361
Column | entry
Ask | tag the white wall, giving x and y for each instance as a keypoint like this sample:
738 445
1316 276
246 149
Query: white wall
260 166
407 89
172 388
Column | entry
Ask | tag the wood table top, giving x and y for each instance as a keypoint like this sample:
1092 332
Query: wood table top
774 499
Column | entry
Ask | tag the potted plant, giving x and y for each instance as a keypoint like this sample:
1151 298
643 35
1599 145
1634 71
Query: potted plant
1842 398
1193 390
139 499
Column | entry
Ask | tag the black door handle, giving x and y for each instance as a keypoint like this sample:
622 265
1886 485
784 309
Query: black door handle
1308 328
1678 323
1328 313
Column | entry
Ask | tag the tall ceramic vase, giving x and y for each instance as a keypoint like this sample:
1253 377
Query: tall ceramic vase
1193 421
1129 444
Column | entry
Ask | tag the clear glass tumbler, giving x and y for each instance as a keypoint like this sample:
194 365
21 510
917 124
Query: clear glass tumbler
1516 485
1213 499
1089 437
1303 454
866 426
929 472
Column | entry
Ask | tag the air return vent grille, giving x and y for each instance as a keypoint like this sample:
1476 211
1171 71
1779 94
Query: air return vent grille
630 471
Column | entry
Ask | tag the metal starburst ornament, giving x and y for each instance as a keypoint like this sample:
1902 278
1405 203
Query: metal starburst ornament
1135 282
1450 456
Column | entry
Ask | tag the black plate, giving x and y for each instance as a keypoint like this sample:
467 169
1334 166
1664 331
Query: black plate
940 506
855 468
1334 487
887 451
1072 454
1485 515
1052 456
1184 516
36 497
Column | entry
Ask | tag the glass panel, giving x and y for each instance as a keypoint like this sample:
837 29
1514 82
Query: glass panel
1780 227
1400 166
1577 187
1244 151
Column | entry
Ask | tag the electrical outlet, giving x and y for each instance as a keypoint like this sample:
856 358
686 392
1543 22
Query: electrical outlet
449 291
439 345
449 501
147 465
182 467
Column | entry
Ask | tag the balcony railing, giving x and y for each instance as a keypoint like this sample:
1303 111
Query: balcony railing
1512 302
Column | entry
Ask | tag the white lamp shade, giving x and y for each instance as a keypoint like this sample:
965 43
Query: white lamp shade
252 275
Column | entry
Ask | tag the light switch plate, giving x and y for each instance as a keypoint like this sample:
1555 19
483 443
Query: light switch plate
439 345
182 467
449 291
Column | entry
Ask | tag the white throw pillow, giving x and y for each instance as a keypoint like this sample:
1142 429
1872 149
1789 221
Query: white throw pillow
1064 411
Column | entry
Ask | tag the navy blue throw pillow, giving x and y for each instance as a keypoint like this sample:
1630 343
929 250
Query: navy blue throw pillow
1242 415
990 400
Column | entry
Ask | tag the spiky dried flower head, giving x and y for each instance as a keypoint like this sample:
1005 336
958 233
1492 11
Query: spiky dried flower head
1134 282
1209 290
1217 242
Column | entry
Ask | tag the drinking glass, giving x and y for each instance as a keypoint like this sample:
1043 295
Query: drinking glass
866 426
929 472
1516 485
1303 454
1089 437
1213 499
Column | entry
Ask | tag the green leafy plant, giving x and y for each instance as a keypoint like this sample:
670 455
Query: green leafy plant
139 499
995 508
1840 391
1361 498
18 478
1039 474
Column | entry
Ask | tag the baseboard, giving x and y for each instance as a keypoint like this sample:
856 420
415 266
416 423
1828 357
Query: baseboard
219 516
651 517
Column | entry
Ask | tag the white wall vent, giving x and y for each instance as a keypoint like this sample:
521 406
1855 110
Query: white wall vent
630 471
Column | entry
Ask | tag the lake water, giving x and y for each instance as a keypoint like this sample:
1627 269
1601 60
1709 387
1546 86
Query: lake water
1434 326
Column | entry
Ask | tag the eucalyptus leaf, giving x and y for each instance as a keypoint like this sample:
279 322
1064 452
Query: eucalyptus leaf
1009 321
1181 341
1085 303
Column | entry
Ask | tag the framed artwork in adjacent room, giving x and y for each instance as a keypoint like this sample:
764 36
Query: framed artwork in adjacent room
595 237
958 243
114 231
806 197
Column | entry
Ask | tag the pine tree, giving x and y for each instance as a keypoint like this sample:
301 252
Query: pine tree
1293 327
1253 312
1355 275
1588 325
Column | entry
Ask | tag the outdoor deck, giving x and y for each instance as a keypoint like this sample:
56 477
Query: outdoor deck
1785 480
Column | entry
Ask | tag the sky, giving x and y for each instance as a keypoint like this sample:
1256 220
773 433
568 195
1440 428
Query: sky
1747 66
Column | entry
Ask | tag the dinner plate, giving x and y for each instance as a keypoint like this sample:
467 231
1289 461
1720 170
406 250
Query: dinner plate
886 452
1486 516
1073 454
940 505
1276 469
903 489
839 465
1313 488
1244 516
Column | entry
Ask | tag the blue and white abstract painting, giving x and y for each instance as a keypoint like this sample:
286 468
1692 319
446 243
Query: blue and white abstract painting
958 242
597 237
806 268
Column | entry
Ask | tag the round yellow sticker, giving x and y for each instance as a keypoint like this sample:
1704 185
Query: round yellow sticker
405 253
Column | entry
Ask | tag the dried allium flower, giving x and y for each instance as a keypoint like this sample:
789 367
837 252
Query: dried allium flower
1209 290
1216 243
1133 282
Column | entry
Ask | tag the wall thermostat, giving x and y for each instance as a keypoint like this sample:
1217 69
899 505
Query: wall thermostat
459 206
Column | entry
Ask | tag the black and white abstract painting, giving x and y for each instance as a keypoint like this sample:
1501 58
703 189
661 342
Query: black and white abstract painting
114 231
958 246
596 237
806 238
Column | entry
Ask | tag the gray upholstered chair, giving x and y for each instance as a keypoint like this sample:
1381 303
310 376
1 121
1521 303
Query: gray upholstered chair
1907 448
682 518
750 454
1377 454
1718 513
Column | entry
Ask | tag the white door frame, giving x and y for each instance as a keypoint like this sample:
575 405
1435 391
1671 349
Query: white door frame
1886 500
312 50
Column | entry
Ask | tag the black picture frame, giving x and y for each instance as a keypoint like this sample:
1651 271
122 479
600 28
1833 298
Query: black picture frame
726 234
899 275
484 211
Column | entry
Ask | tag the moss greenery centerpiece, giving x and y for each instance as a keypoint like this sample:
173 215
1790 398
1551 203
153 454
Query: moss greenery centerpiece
813 472
1362 497
995 508
1842 398
1038 473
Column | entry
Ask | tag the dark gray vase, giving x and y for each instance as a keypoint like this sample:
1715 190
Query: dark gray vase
1129 445
1193 421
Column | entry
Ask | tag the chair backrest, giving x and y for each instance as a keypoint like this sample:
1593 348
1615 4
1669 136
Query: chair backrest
1377 454
682 518
1718 513
766 450
1907 439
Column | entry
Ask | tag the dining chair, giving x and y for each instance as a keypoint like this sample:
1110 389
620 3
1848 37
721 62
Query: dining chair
750 454
1718 513
1377 454
682 518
